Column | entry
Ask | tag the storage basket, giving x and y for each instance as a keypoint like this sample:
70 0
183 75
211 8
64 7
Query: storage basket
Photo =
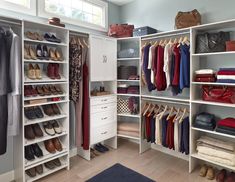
123 106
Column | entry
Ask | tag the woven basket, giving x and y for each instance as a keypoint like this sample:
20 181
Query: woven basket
122 106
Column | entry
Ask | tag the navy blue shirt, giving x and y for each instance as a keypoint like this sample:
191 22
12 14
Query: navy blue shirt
184 67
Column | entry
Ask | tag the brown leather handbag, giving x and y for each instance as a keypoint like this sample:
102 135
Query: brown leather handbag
187 19
121 30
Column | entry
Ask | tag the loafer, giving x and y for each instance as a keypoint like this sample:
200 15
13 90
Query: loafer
47 37
99 149
53 90
51 71
50 146
58 89
48 128
50 165
37 130
56 127
48 110
46 90
38 112
29 133
29 153
39 52
210 175
30 35
45 52
102 146
221 176
55 109
203 171
57 144
31 172
57 162
29 113
39 169
40 90
37 150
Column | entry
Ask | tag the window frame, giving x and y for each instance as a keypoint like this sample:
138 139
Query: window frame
42 13
20 8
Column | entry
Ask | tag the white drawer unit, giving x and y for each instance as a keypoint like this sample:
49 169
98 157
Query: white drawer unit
99 134
103 118
104 108
103 100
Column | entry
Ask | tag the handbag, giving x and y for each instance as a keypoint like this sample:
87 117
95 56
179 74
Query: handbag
121 30
205 121
218 94
212 42
187 19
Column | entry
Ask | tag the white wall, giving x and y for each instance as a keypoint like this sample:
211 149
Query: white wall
160 14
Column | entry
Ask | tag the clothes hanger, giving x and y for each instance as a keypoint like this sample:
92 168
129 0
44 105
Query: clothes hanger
164 111
160 43
177 114
184 112
86 44
180 41
157 111
172 110
151 110
165 42
144 108
175 41
156 43
145 112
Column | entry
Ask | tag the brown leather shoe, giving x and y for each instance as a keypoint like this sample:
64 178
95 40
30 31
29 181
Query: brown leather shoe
57 144
48 110
40 91
39 169
49 146
29 134
56 109
203 171
210 175
37 130
50 165
31 172
58 89
46 90
53 90
221 176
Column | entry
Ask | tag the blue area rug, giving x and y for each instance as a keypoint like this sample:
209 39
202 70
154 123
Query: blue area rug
119 173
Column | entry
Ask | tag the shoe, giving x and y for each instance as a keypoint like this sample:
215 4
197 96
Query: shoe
51 71
32 52
203 171
48 110
45 52
221 176
26 52
57 162
38 112
46 90
99 149
37 150
40 90
47 37
57 144
27 91
37 130
39 169
58 89
31 172
38 36
50 165
210 175
48 128
28 153
52 55
30 35
55 39
50 146
39 52
29 113
95 152
53 90
56 127
55 109
231 177
58 54
33 91
57 71
31 73
38 72
29 133
102 146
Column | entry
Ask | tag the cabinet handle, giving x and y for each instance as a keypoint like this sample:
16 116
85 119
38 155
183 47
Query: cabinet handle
104 59
104 133
104 118
104 100
104 107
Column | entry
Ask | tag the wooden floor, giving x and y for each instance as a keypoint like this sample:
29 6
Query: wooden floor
153 164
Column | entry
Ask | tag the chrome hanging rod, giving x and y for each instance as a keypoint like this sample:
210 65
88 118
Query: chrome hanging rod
78 34
164 36
10 22
165 101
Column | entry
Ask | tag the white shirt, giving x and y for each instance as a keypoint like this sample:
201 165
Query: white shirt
167 63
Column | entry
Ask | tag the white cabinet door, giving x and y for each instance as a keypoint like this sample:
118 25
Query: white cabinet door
103 59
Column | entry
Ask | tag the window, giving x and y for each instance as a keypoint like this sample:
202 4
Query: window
21 6
88 13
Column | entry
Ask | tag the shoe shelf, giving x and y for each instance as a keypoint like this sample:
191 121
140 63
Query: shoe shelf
44 97
46 171
131 81
44 61
129 95
45 78
26 40
47 156
213 83
47 83
200 101
46 103
129 115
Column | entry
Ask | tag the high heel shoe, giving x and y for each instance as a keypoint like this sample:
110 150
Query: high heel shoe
38 72
32 53
31 73
26 52
58 54
52 55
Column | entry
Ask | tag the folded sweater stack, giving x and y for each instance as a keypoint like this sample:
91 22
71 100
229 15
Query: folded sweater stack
216 150
128 129
205 75
226 126
226 75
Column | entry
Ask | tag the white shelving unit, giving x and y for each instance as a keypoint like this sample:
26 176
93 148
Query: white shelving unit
63 103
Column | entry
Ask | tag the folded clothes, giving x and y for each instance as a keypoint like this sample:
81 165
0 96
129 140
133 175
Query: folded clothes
212 79
205 71
227 122
227 69
129 133
205 75
231 77
128 126
225 131
225 81
224 72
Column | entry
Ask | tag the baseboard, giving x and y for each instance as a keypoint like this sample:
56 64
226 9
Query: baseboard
7 177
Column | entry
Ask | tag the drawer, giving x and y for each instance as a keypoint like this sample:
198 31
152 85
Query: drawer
104 108
103 118
103 100
99 134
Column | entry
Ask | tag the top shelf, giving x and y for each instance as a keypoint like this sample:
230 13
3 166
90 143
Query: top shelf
44 42
129 39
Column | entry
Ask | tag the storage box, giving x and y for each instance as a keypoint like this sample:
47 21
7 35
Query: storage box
144 31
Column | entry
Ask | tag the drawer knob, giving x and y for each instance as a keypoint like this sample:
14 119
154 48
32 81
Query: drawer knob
104 133
104 118
103 100
104 107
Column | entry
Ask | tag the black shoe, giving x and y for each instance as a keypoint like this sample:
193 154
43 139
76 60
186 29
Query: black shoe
102 146
57 162
45 52
36 150
38 112
99 149
39 52
29 113
55 39
28 153
48 37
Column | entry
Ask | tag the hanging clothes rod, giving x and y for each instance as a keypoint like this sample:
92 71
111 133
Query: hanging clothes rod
165 101
10 22
164 36
78 34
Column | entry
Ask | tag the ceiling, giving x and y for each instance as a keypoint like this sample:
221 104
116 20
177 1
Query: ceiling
120 2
